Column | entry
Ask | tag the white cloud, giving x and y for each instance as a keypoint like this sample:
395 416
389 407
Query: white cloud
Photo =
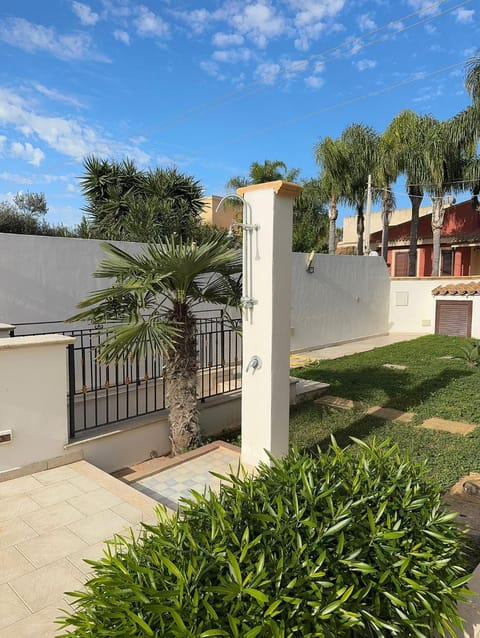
314 81
365 64
53 94
424 7
232 56
65 135
222 40
464 16
198 19
86 16
33 178
259 22
149 24
27 152
32 37
268 72
71 188
312 18
3 141
212 69
121 36
365 23
430 29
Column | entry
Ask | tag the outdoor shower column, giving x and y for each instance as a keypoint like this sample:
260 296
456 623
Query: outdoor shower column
266 319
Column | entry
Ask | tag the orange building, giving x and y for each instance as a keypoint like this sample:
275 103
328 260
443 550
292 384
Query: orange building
460 243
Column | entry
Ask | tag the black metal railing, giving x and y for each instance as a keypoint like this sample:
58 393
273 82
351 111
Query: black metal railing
100 394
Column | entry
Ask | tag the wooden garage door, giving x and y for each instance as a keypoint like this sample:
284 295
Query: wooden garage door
453 318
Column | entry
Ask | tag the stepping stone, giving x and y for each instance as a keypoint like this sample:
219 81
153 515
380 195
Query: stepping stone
454 427
390 414
394 366
306 389
339 402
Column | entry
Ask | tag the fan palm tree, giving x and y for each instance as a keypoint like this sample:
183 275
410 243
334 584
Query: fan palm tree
269 171
333 168
360 147
150 307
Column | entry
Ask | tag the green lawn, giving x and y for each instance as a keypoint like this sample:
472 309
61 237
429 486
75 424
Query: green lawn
431 385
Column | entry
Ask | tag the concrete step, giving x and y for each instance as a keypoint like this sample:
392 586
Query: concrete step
308 390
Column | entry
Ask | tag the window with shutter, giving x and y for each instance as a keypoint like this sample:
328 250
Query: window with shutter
401 264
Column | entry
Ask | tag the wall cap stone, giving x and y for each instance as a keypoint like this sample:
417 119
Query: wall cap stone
279 188
35 341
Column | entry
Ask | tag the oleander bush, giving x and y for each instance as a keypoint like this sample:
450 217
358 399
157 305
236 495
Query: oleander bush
341 544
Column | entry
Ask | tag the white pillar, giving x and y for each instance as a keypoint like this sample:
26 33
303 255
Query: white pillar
266 327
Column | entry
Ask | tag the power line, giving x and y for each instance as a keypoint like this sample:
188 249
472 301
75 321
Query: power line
417 78
261 85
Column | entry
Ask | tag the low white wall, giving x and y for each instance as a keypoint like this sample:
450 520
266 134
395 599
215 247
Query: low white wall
345 298
33 390
412 305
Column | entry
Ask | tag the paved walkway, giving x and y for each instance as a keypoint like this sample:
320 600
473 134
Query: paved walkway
351 347
49 522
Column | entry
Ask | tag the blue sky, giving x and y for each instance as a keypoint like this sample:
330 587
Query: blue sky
212 86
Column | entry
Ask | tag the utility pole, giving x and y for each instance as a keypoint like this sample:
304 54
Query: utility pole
368 212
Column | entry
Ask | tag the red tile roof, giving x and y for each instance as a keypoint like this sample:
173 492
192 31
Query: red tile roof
468 288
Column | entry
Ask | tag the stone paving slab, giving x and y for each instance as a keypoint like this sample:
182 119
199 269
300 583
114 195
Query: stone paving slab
454 427
339 402
390 414
50 521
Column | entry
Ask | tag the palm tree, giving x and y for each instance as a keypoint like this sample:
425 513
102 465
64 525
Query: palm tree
309 219
333 167
124 202
150 306
360 146
269 171
407 134
472 78
444 172
385 174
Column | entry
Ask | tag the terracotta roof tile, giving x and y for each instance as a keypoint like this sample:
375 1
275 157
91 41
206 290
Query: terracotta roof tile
468 288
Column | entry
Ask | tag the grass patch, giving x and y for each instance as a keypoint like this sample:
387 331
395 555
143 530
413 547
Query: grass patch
431 385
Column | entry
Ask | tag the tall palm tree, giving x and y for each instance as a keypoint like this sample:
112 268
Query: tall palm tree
407 133
385 173
269 171
333 168
150 306
360 146
472 78
444 172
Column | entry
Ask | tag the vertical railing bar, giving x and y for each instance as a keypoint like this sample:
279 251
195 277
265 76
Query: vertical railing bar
71 390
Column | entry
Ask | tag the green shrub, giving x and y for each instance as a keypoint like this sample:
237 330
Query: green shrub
346 544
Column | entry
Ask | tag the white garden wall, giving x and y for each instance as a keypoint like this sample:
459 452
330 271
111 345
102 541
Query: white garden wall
412 305
345 298
43 278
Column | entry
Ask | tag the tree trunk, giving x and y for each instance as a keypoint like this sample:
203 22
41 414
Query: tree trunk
416 196
181 386
332 217
360 229
385 238
437 223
